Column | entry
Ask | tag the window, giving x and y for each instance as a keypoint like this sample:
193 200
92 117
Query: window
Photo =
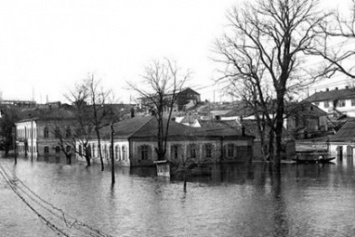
193 151
45 132
57 149
341 103
80 150
117 152
93 150
174 151
208 150
326 104
352 102
144 152
46 150
230 150
68 149
123 152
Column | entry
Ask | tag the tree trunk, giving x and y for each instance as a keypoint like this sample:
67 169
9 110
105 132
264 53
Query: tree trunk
279 128
99 148
271 145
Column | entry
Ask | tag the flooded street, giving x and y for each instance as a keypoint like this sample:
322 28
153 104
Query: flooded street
237 200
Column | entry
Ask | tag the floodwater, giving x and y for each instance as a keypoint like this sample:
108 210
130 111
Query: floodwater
236 200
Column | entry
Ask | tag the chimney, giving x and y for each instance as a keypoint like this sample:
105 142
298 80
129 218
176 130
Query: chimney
347 87
327 89
336 88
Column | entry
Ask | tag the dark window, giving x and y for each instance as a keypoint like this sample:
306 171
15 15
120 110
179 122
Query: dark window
80 150
45 132
230 150
174 151
208 149
352 102
193 151
46 150
144 152
341 103
93 150
57 149
68 149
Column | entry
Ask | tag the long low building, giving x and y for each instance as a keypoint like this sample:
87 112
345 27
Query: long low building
135 142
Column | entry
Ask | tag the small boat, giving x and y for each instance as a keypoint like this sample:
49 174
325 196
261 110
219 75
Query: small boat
313 159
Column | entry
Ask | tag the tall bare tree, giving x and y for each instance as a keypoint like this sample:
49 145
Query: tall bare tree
161 83
270 35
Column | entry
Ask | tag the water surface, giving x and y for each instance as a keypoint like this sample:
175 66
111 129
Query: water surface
236 200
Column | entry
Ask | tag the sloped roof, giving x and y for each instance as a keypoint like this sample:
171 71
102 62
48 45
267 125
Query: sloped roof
188 91
146 127
346 132
332 95
219 124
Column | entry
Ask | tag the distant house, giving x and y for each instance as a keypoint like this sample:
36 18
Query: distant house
37 135
342 144
185 99
135 142
336 102
305 120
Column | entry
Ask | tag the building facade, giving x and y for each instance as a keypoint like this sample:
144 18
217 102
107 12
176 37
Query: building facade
135 144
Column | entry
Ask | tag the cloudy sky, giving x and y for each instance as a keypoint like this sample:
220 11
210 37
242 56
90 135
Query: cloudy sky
48 45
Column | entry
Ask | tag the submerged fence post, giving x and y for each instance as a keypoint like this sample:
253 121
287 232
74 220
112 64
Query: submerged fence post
112 156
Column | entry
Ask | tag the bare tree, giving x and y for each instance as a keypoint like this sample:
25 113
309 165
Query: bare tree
98 97
270 36
162 82
84 127
337 33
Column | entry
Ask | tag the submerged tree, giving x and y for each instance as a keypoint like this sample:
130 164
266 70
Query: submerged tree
161 83
270 36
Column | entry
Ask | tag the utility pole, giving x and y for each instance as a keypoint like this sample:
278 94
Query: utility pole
112 156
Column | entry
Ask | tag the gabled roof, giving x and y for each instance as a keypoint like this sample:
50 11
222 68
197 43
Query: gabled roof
332 95
346 132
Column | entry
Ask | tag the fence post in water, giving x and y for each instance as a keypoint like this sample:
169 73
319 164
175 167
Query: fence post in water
14 143
112 156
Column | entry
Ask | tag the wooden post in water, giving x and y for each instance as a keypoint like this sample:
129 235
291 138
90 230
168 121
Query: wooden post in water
14 143
112 156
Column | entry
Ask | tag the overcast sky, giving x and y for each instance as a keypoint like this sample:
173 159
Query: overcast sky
48 45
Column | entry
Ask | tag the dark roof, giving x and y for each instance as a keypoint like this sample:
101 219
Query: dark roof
146 127
304 108
188 91
219 124
332 95
346 132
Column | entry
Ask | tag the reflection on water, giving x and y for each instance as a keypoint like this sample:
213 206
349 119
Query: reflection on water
236 200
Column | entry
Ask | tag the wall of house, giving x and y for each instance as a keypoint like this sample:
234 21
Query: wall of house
348 108
26 138
121 152
343 151
179 151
